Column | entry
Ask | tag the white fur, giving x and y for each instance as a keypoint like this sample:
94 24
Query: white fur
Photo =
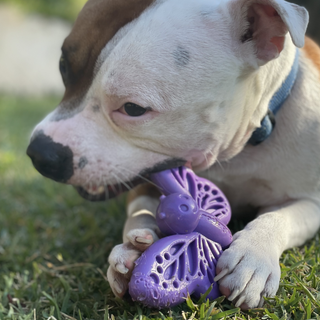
205 112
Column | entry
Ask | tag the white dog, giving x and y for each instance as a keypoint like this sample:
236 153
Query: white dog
156 84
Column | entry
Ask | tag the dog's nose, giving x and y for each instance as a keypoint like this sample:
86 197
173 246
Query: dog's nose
51 159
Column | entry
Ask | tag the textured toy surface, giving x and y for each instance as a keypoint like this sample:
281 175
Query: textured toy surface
194 213
190 203
176 265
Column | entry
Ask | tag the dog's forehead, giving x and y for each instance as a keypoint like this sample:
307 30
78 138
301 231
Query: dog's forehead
97 23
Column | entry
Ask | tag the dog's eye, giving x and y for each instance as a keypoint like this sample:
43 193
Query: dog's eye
133 110
63 67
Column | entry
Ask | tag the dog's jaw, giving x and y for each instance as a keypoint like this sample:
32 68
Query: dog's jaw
94 192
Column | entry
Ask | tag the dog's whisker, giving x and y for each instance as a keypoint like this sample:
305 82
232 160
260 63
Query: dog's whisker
117 179
219 163
140 176
206 159
106 190
113 188
128 184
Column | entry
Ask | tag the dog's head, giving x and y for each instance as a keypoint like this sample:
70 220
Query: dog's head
155 84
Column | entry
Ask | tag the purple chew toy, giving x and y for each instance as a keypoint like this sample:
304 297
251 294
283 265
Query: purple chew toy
190 203
185 261
176 266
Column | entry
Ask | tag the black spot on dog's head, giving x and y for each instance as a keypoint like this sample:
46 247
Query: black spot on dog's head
181 56
83 161
96 108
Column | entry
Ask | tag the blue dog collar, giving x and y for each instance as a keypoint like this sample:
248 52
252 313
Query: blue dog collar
268 122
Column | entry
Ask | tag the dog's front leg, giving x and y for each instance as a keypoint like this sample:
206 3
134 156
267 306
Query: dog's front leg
139 233
249 269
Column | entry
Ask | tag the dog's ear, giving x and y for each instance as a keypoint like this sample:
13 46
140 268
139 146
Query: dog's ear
261 25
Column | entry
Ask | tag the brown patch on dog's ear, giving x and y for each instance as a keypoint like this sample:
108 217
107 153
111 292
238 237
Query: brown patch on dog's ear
144 189
97 23
312 51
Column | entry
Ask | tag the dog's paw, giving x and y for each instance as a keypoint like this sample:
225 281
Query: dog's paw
123 256
249 270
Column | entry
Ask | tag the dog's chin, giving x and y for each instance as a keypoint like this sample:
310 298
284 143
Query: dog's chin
105 192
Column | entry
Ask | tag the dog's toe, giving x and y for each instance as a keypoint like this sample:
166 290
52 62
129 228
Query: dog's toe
141 239
247 272
121 261
118 283
123 256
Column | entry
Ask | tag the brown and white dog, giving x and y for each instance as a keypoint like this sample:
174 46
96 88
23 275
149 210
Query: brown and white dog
153 84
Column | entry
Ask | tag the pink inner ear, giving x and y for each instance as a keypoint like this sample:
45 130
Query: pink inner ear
268 31
278 42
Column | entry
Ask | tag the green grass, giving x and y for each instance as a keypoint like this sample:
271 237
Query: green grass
54 246
65 9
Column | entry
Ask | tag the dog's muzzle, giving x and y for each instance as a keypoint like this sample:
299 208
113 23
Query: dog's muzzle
51 159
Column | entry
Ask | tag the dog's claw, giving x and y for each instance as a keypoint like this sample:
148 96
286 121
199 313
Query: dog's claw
233 295
144 240
121 268
240 301
221 274
122 258
117 286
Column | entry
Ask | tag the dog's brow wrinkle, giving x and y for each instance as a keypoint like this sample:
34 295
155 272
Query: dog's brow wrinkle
83 161
181 56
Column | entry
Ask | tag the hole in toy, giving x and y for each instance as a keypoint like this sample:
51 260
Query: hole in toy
199 274
202 268
167 256
165 285
159 259
204 201
219 199
214 192
191 185
178 175
186 197
182 266
141 279
201 253
154 277
184 208
155 294
216 206
159 269
192 252
170 271
210 277
174 249
206 188
175 284
187 278
215 252
137 281
208 255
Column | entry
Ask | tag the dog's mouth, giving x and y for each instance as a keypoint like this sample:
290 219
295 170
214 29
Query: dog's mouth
105 192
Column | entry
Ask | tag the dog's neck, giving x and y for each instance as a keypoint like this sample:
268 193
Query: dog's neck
278 99
256 90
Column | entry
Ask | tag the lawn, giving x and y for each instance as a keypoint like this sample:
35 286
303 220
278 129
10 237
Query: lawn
54 246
